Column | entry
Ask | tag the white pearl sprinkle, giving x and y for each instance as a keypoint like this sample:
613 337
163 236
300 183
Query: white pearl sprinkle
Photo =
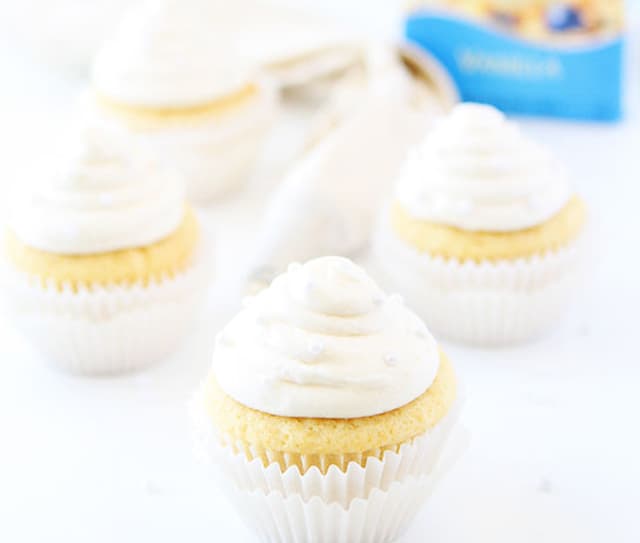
390 360
223 339
536 203
316 348
262 320
464 207
106 199
267 380
348 270
70 232
439 203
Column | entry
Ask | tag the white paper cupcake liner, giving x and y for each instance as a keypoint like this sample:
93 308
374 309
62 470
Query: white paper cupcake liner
486 303
216 171
107 330
371 503
380 518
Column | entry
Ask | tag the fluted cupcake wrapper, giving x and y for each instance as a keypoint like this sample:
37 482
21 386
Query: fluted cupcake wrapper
486 303
370 502
106 330
217 170
380 518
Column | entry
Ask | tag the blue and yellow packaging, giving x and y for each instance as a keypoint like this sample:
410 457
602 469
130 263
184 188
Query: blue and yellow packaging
536 57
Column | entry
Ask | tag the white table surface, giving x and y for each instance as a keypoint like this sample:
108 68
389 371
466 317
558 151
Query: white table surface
555 442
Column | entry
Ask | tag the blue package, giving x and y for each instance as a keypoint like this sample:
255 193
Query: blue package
560 59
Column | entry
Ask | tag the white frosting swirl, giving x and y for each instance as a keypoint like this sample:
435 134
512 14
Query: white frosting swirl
324 341
477 171
168 53
102 199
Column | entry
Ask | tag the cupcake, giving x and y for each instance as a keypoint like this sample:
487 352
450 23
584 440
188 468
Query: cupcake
483 233
327 407
103 262
168 78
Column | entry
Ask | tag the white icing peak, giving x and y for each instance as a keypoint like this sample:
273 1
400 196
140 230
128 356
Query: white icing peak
324 341
477 171
169 53
101 198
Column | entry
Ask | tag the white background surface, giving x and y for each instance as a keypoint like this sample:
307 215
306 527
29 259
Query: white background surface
554 447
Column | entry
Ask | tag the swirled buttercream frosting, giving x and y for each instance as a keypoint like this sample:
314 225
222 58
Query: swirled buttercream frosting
169 53
100 198
477 171
324 341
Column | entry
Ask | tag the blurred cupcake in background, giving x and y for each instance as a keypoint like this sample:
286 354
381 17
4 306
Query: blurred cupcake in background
169 77
104 264
327 408
483 233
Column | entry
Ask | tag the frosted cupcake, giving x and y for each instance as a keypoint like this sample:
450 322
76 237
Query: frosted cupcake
167 77
103 263
483 234
327 405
